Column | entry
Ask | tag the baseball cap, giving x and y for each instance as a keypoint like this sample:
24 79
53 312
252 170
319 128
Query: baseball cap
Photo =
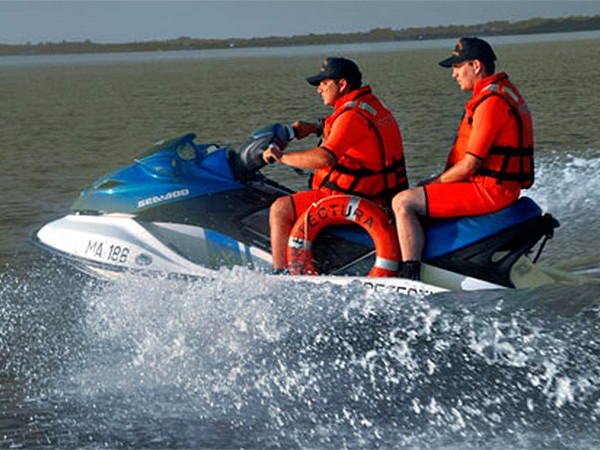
469 48
337 68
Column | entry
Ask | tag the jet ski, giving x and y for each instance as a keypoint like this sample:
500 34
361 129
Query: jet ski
186 209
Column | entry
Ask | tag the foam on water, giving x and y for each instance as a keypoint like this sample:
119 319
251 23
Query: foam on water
569 184
568 187
246 360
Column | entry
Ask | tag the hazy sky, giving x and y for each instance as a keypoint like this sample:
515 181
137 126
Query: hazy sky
141 20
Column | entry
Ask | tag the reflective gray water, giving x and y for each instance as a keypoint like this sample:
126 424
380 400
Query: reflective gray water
247 361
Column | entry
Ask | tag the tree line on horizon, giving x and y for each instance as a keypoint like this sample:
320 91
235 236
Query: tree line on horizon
494 28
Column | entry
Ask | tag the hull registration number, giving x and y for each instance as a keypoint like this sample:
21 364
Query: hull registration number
107 251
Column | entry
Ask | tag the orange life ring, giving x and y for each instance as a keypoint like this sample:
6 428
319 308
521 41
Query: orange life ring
338 210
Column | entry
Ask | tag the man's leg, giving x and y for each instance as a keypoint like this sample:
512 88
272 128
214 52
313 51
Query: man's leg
281 221
408 205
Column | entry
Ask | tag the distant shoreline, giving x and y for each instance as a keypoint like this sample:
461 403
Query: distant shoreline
496 28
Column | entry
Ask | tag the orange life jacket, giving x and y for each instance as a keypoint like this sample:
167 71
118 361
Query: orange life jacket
350 175
504 163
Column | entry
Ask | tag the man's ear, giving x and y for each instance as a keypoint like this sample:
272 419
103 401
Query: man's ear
478 67
344 86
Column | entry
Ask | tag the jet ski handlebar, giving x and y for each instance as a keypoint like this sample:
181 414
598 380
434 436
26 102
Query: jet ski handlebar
276 136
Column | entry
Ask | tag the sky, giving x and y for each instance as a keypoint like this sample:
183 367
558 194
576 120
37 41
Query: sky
106 21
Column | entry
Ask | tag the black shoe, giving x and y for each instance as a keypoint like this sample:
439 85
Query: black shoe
411 270
283 271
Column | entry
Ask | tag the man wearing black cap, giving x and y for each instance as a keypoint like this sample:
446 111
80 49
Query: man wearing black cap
491 160
361 152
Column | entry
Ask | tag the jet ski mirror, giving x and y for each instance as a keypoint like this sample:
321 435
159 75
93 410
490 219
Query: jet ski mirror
166 158
187 152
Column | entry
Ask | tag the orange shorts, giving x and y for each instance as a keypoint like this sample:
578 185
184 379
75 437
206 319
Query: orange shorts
301 201
468 199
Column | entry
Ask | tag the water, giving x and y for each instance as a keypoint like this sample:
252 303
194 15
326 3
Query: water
245 361
270 52
248 361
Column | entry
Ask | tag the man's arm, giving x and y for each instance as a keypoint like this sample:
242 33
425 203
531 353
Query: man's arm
462 170
314 158
303 129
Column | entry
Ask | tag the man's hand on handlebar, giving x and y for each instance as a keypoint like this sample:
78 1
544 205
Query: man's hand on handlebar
303 129
298 130
272 154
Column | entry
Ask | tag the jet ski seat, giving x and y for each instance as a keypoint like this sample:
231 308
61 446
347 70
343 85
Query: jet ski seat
443 236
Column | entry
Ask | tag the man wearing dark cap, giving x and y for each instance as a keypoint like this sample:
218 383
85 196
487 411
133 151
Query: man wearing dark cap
491 160
361 152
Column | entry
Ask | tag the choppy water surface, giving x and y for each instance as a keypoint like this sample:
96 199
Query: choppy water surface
248 361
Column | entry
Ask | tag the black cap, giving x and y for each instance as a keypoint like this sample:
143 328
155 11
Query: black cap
469 48
337 68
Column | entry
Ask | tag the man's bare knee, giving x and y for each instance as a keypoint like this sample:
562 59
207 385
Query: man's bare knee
281 210
408 202
402 201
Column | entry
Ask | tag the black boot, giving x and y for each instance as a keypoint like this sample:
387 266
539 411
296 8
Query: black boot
283 271
411 270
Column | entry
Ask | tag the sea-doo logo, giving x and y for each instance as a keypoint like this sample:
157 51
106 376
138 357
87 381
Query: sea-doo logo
162 198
